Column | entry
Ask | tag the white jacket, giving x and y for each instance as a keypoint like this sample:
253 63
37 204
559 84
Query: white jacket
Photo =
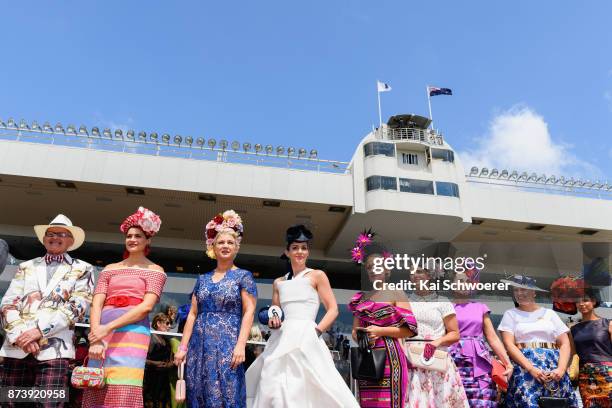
54 307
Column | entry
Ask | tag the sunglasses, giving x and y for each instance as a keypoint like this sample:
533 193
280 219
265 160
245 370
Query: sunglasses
49 234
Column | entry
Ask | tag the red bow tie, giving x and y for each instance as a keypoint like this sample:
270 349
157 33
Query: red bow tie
49 259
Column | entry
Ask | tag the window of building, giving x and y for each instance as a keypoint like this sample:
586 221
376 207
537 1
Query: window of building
444 188
410 158
443 154
381 183
416 186
379 148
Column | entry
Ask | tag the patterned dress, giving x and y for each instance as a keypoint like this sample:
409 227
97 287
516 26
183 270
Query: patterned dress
210 380
127 347
428 388
472 356
540 326
390 391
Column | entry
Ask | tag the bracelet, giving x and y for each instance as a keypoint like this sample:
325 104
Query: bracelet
183 348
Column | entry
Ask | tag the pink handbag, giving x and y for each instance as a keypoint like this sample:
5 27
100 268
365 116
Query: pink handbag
88 377
180 391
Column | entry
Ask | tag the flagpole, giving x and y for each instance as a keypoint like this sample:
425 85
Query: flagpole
379 110
429 103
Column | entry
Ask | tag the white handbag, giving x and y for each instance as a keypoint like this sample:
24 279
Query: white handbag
180 391
439 361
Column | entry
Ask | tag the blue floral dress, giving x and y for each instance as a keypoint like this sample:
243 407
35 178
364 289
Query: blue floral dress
211 382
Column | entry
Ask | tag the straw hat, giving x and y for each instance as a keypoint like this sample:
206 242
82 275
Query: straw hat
63 222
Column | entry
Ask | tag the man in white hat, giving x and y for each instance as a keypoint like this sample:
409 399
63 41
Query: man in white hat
47 296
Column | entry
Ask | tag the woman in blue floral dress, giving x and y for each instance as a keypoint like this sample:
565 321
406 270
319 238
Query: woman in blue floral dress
536 339
219 322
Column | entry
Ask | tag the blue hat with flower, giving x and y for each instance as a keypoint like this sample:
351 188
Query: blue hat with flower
522 281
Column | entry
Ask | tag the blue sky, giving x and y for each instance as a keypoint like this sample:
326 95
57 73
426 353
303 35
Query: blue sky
532 79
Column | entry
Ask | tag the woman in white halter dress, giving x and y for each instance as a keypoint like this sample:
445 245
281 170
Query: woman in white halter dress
296 369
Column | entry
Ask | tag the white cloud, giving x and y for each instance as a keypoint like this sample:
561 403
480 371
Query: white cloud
519 139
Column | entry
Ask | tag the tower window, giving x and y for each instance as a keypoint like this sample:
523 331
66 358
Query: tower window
410 158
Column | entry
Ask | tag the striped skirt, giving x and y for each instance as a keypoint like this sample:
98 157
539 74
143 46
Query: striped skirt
390 391
124 363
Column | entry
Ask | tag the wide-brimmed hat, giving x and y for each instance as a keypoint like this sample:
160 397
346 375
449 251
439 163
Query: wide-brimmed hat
62 221
522 281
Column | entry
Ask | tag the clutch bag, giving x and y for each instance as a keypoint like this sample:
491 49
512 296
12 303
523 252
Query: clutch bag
266 313
438 362
180 390
497 374
87 377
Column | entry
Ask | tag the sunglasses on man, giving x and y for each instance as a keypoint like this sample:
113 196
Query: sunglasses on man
50 234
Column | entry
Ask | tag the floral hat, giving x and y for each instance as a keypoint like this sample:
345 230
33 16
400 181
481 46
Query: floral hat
565 292
229 220
144 219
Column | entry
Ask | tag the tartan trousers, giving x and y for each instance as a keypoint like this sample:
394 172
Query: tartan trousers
29 372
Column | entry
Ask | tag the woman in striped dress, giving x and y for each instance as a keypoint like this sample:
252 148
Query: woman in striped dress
124 296
387 317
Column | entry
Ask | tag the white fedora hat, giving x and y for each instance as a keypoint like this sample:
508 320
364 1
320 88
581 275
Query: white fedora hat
62 221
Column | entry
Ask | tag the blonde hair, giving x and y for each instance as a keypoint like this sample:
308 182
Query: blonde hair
227 231
255 334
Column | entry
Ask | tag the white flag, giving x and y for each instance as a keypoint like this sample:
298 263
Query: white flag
382 87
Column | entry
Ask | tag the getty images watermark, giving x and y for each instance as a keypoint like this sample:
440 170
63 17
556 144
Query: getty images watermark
411 264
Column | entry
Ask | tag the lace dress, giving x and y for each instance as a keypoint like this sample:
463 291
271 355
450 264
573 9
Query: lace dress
211 382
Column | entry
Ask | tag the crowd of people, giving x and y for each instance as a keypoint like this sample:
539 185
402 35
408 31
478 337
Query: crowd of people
436 352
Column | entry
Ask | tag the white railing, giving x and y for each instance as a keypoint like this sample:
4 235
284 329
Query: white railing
587 191
428 136
188 148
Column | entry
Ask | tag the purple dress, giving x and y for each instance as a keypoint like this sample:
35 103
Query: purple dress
473 357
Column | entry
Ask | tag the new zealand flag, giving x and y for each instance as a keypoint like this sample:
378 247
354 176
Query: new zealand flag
433 91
